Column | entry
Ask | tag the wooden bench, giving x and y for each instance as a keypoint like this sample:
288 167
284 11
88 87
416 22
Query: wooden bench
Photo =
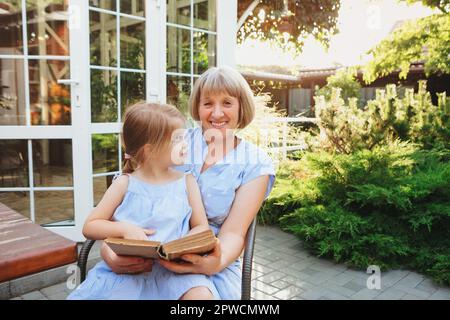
27 248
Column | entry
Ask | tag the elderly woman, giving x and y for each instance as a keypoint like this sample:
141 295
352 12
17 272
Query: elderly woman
234 177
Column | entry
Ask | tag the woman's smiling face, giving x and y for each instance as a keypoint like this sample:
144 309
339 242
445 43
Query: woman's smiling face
219 111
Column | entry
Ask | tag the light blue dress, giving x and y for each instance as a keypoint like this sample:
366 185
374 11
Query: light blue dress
218 185
166 209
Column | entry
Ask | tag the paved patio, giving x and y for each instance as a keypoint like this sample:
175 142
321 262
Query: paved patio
283 269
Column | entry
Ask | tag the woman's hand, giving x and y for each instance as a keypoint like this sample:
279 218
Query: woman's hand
195 263
125 264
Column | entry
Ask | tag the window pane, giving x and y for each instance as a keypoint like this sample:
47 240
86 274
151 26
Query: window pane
205 14
13 163
18 201
103 39
103 96
100 186
54 207
105 153
104 4
179 12
204 51
52 163
11 41
12 92
178 50
132 88
48 33
134 7
49 101
132 43
178 91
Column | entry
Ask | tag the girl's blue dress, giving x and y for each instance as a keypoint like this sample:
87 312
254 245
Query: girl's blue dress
166 209
218 186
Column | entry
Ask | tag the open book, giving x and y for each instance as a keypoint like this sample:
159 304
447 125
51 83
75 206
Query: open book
198 243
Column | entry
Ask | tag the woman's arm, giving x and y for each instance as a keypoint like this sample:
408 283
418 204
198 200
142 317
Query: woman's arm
247 202
198 221
98 225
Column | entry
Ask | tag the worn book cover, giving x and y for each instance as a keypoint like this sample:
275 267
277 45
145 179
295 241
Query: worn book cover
198 243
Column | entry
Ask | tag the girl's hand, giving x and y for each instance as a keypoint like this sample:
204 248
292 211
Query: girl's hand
124 264
133 232
195 263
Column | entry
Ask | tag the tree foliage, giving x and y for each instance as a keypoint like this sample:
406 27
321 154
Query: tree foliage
288 28
423 40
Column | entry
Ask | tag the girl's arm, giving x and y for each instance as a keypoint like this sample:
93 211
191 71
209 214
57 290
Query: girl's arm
198 221
98 225
249 198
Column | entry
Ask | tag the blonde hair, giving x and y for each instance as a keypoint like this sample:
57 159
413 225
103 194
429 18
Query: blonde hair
224 79
147 123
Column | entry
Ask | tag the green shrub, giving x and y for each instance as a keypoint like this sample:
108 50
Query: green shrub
388 206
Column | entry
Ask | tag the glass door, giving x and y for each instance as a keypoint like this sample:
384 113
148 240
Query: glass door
41 112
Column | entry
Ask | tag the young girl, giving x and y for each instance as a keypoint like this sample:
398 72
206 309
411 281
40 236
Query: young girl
149 195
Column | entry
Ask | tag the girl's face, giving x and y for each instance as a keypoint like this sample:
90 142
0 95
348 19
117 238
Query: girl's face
219 111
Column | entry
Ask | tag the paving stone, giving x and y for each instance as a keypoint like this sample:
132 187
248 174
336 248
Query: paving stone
411 297
391 294
34 295
62 287
355 285
260 260
259 295
16 298
366 294
338 289
58 296
428 286
440 294
288 293
411 280
279 264
412 291
272 276
314 294
390 278
264 287
280 284
343 278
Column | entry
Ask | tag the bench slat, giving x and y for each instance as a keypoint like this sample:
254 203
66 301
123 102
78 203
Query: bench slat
27 248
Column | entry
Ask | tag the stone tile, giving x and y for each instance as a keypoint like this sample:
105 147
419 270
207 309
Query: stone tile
314 294
62 287
302 265
412 291
411 297
329 286
5 292
16 298
261 268
366 294
388 279
310 272
342 278
272 276
288 293
391 294
264 287
34 295
261 261
441 294
58 296
259 295
280 284
428 286
355 285
411 280
279 264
